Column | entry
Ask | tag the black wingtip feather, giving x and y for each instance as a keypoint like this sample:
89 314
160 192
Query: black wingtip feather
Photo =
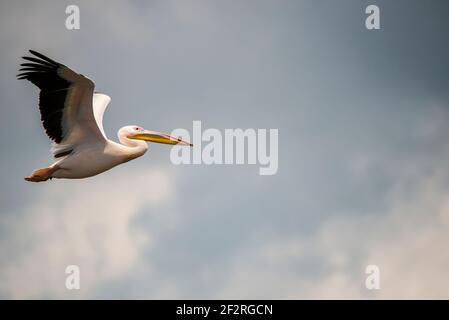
40 64
42 72
45 58
39 61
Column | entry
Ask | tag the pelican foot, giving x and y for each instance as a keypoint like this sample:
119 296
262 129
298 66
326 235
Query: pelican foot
40 175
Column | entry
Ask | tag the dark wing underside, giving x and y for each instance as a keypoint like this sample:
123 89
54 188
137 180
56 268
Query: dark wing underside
65 103
43 72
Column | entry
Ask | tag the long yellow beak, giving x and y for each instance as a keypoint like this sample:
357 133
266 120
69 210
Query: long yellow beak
158 137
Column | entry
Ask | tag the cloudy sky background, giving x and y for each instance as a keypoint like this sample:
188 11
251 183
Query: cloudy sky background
363 153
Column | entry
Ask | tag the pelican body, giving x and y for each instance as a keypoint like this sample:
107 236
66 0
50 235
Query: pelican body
72 116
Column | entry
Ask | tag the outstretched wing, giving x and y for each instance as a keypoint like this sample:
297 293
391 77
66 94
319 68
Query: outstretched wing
100 102
65 102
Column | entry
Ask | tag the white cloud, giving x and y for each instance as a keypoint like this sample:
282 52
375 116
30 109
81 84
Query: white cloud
408 241
87 223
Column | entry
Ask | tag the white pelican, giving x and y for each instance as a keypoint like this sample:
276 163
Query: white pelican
72 116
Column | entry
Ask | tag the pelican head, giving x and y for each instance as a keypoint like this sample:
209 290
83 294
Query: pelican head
139 133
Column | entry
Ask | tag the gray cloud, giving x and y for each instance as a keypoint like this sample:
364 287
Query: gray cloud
362 118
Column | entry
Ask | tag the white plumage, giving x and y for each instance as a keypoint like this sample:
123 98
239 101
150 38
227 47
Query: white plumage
72 116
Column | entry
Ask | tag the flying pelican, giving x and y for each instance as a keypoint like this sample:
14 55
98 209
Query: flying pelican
72 116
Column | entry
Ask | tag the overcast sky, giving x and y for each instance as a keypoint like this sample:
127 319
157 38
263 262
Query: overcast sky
363 151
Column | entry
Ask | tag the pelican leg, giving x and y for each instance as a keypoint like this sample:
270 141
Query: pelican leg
42 174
